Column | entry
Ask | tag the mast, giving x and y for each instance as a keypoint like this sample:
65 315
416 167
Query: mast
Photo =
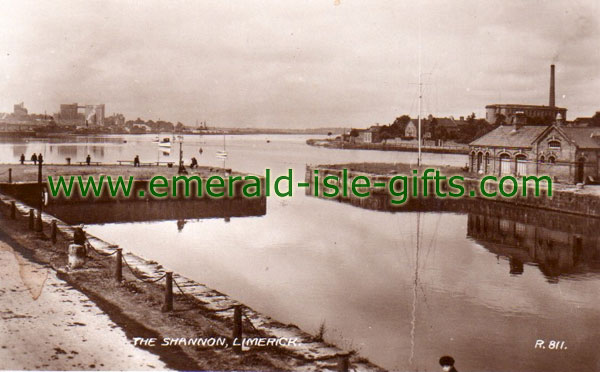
420 95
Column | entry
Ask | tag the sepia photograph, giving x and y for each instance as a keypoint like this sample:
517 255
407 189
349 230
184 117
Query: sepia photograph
314 185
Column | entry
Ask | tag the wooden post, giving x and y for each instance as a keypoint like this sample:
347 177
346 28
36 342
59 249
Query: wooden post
31 219
9 175
237 329
39 227
344 363
119 265
53 231
168 292
13 210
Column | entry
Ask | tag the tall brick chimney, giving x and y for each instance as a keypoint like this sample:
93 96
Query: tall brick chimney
552 96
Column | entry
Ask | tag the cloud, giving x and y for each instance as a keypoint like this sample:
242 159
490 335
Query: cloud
273 63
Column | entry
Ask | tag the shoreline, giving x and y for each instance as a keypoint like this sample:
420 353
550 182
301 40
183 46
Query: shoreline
332 144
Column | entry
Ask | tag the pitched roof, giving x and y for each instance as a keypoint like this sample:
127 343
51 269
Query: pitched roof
507 136
585 138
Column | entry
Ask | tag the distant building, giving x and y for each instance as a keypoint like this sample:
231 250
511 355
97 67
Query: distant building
588 121
68 111
19 110
449 126
93 114
510 112
370 135
115 119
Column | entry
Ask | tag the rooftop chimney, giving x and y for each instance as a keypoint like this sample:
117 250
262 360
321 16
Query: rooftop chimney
552 100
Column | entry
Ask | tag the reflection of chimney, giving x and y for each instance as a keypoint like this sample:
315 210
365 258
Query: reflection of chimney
552 100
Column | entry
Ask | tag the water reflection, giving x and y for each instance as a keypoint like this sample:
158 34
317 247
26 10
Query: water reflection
164 210
560 245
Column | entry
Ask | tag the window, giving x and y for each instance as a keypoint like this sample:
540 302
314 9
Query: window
554 145
551 159
542 159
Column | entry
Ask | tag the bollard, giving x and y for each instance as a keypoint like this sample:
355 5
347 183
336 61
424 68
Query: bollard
9 175
31 219
119 265
13 211
53 231
237 329
79 236
344 363
39 226
168 306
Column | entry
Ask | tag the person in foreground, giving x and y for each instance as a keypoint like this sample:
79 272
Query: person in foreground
447 363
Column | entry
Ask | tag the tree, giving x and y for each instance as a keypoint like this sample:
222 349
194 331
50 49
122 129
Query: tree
500 120
385 134
399 125
353 132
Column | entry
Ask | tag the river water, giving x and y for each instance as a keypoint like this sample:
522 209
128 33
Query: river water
481 282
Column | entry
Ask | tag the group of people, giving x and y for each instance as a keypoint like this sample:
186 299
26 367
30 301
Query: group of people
34 158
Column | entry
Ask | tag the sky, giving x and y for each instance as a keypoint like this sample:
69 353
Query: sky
298 63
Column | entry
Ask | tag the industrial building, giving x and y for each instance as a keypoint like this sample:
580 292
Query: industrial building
508 113
93 114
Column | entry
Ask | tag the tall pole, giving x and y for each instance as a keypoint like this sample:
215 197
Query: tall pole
40 196
420 93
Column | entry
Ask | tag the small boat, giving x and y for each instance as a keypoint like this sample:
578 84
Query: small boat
222 154
165 142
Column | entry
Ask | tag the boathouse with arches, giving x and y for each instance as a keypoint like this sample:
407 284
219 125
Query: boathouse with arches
567 154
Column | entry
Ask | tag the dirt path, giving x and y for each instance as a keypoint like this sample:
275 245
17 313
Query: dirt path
46 324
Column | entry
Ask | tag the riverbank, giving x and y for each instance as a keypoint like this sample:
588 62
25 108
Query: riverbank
199 312
45 324
582 200
336 144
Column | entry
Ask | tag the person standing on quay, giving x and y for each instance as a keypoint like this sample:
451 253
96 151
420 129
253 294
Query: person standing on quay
34 158
22 159
40 158
88 159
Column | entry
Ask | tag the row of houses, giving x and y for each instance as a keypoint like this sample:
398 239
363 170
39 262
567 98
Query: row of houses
409 130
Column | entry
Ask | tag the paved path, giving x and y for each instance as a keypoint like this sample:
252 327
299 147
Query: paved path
46 324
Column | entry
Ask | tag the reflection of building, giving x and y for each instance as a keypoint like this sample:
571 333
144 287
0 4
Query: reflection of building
558 244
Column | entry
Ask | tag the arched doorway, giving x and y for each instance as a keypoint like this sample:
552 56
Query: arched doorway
480 162
521 165
579 170
504 164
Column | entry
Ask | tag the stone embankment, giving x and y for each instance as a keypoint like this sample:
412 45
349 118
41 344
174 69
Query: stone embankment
583 201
